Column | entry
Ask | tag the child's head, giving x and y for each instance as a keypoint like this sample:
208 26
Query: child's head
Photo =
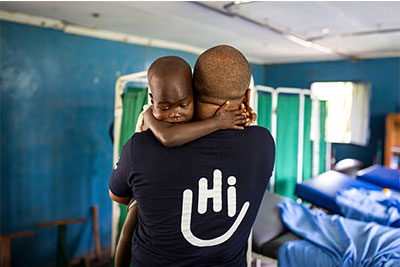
170 81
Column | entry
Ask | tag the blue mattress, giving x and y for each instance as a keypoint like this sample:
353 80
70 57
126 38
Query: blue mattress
322 189
381 176
331 240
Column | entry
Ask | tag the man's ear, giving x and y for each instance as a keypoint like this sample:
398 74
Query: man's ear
246 98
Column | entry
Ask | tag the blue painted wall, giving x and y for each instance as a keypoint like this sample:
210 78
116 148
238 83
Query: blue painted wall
57 103
382 74
258 72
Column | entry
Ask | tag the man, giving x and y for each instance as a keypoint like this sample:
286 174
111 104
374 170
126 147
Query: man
198 202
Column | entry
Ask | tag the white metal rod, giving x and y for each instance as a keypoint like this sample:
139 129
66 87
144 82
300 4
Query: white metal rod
118 109
263 88
133 76
119 89
315 165
300 139
328 155
288 90
274 121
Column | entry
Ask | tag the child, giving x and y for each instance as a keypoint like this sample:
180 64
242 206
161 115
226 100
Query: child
170 81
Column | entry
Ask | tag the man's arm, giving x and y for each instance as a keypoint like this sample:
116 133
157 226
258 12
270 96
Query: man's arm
121 200
119 190
171 135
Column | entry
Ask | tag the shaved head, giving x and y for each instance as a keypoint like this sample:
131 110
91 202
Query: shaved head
221 72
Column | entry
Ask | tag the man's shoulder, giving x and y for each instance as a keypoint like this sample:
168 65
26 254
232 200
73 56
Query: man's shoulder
254 138
258 132
147 134
141 138
258 129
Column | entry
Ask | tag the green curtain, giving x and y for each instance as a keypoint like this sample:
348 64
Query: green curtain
322 143
287 138
286 144
264 109
133 101
307 144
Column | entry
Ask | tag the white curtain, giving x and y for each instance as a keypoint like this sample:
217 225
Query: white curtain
359 125
347 111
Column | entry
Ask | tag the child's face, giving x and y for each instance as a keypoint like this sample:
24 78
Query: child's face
172 100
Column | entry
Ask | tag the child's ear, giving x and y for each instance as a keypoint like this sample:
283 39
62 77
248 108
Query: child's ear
151 98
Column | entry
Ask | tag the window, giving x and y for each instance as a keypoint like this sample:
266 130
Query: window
347 118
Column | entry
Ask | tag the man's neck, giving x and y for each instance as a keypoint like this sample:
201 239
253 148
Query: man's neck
204 110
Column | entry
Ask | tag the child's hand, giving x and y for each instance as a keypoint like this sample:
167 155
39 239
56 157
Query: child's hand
249 113
231 119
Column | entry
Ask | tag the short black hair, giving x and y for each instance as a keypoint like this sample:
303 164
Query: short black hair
168 66
221 72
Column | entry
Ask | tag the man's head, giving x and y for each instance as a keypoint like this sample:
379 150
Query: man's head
221 73
170 81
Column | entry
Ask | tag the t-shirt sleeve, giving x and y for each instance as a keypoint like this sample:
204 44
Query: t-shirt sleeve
122 172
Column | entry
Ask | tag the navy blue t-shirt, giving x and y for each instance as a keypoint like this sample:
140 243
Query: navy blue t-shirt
197 202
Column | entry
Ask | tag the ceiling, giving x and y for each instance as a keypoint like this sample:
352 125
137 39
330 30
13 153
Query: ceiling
266 32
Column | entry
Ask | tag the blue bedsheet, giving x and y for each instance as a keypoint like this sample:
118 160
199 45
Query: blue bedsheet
332 240
369 206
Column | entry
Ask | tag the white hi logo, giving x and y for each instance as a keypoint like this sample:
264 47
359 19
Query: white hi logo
216 195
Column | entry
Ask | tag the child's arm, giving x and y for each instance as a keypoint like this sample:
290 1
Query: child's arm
123 257
171 135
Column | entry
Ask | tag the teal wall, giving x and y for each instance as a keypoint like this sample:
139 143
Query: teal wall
382 74
57 103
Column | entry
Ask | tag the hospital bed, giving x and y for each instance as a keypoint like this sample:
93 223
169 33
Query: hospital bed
269 233
333 240
381 176
322 190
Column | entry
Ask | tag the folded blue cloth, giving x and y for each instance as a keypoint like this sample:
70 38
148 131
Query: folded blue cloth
369 206
335 240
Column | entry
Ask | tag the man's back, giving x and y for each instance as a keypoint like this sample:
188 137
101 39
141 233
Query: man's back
197 202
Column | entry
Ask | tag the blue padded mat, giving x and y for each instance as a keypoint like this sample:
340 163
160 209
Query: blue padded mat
381 176
322 189
331 240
